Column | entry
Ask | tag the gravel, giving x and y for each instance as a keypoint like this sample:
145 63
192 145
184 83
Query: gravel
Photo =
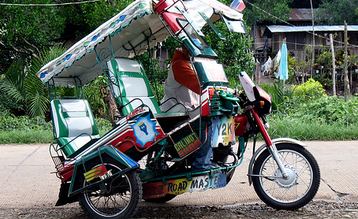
316 209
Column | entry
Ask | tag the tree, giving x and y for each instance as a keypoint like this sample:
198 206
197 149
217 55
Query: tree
21 85
338 11
267 11
25 31
233 52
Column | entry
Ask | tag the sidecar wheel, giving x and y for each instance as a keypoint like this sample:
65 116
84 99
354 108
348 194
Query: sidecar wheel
117 198
298 188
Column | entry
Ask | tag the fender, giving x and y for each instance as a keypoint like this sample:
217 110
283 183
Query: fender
94 157
263 147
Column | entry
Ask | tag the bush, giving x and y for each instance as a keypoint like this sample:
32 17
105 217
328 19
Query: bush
305 128
329 110
11 123
103 125
326 110
311 89
280 95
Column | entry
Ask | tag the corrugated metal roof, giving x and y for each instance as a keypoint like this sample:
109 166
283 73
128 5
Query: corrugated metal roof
318 28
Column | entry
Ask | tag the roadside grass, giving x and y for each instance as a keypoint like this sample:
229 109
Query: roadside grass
19 132
28 136
25 136
311 129
280 126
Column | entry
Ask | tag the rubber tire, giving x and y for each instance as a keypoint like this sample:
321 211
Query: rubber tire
163 199
136 185
292 205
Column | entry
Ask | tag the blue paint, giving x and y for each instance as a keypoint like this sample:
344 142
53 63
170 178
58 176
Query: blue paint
144 130
43 74
67 57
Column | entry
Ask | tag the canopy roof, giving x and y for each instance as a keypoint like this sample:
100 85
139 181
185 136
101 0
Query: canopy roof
127 34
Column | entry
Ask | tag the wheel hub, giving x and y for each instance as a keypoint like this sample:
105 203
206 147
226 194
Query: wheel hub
288 181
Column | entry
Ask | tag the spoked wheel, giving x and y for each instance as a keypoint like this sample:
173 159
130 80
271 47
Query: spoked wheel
116 198
294 191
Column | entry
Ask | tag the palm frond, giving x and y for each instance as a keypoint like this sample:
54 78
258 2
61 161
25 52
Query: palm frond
45 57
8 88
34 89
16 74
38 105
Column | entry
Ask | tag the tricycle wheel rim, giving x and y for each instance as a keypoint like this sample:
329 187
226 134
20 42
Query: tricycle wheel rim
109 198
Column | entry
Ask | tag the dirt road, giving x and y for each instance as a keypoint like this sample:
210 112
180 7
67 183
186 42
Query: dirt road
28 190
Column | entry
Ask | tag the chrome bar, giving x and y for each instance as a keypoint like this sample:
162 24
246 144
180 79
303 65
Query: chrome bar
276 157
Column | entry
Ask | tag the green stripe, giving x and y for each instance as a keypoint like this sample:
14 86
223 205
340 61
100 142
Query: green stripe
61 122
69 148
121 100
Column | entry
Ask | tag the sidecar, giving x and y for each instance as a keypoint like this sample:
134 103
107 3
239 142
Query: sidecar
97 169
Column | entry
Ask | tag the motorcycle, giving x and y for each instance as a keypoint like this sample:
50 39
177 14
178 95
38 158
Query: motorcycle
148 154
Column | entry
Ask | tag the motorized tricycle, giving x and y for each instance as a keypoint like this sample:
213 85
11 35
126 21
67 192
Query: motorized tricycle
148 154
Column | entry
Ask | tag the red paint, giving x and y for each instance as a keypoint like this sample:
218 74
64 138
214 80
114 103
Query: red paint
123 142
128 135
154 190
262 129
240 122
171 20
162 5
205 110
66 173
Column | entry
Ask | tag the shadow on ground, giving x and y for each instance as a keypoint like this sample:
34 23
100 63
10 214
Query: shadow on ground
316 209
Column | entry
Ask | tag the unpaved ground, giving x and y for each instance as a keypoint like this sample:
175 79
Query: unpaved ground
28 190
316 209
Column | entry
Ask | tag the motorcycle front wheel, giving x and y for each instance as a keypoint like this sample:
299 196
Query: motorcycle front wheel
300 185
117 198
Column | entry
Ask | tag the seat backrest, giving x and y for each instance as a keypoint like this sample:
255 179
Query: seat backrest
130 83
74 124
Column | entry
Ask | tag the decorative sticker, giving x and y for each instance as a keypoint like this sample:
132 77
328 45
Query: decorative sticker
180 186
95 172
187 144
144 130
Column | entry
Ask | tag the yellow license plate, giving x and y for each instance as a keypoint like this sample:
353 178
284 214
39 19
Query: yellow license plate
226 131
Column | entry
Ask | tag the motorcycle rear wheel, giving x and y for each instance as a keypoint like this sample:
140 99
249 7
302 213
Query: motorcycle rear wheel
105 202
293 192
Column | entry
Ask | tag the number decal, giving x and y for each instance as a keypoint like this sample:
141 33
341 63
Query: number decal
223 127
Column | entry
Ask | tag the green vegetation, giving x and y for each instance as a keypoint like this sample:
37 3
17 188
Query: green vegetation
280 11
31 37
305 112
26 130
308 129
338 11
323 118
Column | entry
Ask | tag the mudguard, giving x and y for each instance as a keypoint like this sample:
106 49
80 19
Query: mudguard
263 147
103 154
